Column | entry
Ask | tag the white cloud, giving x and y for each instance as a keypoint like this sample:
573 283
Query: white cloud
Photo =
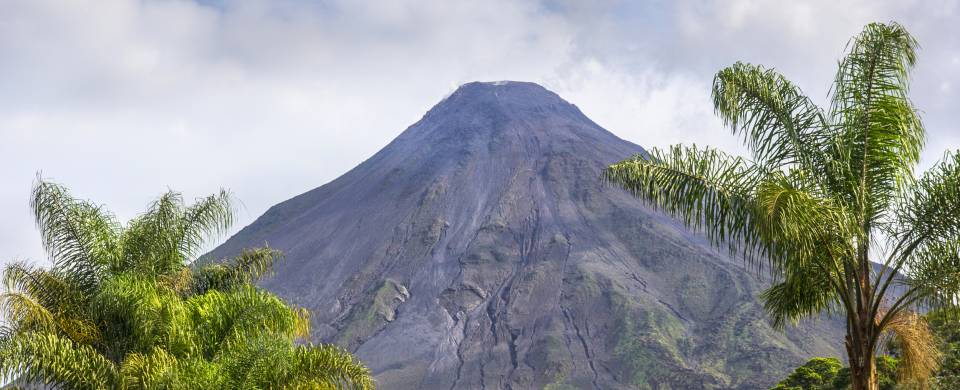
648 107
119 99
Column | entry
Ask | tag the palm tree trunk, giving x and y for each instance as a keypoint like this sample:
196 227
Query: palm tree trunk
863 374
863 369
861 353
861 350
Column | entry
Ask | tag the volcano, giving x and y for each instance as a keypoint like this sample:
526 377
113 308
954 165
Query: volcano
481 250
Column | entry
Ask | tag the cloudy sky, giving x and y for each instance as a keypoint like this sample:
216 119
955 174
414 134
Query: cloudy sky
121 100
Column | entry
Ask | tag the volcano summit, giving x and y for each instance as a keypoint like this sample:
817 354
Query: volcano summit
480 250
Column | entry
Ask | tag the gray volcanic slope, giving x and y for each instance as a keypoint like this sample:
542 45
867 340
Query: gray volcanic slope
479 250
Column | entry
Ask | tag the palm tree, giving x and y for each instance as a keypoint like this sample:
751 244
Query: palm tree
124 307
826 195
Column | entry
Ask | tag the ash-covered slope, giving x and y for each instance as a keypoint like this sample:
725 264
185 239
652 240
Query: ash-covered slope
479 250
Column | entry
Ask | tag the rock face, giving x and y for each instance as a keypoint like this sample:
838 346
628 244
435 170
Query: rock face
480 250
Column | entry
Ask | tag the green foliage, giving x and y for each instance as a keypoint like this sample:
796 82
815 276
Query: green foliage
817 374
646 346
823 195
640 361
123 307
946 325
829 374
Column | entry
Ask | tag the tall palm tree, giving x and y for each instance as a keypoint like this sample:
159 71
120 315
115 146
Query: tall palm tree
826 195
124 307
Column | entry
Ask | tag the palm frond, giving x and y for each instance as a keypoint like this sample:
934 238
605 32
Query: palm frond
142 314
706 189
194 372
25 313
919 353
933 274
235 316
880 134
80 237
39 300
271 362
805 291
40 284
244 269
49 359
929 210
169 235
333 365
260 362
779 124
205 219
152 241
153 370
802 228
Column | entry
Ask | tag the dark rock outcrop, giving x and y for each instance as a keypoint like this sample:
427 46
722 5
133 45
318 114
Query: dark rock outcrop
479 250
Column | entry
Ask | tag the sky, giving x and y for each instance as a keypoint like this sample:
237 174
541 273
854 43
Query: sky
122 100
